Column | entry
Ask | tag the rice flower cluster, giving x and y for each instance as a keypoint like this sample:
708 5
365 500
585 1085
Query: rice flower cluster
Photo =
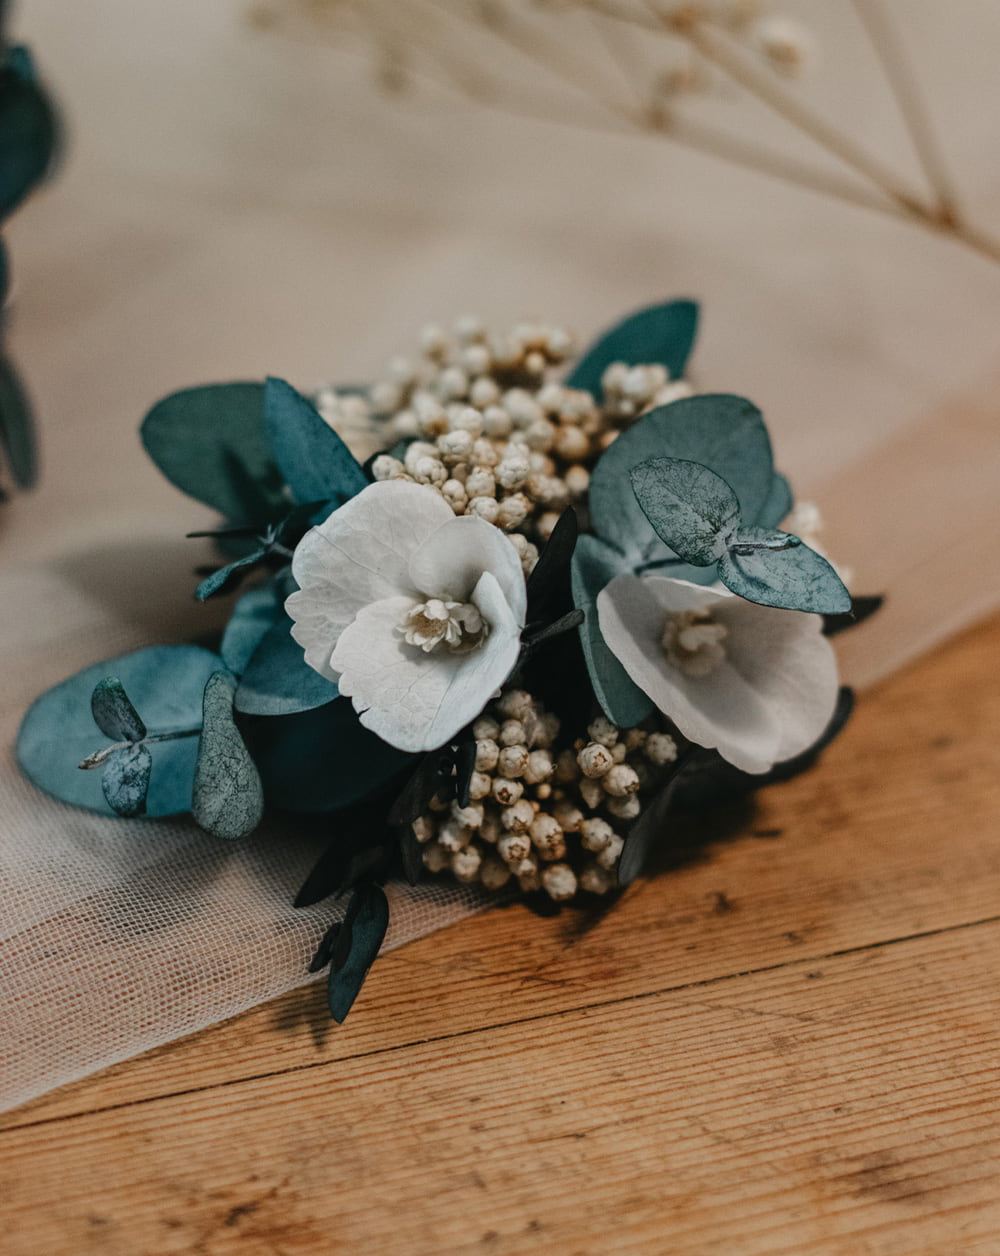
553 820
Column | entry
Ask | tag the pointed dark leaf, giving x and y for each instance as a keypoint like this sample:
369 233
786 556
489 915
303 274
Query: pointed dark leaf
549 583
861 607
315 462
125 780
465 765
662 334
411 854
367 920
228 798
326 948
17 427
226 577
29 131
648 827
113 713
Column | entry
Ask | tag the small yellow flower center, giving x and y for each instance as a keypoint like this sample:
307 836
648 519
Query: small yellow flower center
439 624
693 642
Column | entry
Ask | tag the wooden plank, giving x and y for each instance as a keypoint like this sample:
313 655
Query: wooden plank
849 1109
893 835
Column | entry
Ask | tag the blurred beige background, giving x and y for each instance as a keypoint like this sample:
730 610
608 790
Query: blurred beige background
235 203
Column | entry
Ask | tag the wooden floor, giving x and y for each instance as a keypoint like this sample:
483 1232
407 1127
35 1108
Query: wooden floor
788 1041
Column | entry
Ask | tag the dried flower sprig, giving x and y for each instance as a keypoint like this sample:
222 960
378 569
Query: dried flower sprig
637 65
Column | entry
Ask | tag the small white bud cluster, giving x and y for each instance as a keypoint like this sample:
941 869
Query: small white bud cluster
495 436
550 821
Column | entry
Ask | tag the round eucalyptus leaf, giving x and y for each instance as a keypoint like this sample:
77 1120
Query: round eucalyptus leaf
663 334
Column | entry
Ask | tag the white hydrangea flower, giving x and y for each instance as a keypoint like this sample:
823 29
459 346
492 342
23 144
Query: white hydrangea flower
414 612
755 683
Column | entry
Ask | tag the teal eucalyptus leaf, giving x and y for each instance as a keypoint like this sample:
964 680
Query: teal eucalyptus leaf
17 427
323 759
165 683
358 943
692 510
277 680
125 780
724 433
776 569
595 565
315 462
662 334
254 613
29 130
210 442
778 505
219 580
114 713
228 798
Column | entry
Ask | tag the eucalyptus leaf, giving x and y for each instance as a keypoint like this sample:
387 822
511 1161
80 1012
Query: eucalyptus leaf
662 334
228 798
278 680
862 607
222 579
692 510
724 433
113 713
364 927
125 780
795 578
315 462
594 566
323 759
254 613
29 130
165 683
777 506
210 442
17 427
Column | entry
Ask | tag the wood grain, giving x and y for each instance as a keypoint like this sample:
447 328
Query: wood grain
785 1041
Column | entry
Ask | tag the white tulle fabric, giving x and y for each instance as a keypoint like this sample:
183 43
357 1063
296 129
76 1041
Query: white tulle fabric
120 935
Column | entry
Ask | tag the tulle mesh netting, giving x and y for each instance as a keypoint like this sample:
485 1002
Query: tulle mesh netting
117 936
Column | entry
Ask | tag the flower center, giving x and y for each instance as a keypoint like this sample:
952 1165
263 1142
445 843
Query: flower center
692 642
437 624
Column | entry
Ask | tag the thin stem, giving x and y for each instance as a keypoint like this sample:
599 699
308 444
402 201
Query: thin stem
741 71
187 732
903 83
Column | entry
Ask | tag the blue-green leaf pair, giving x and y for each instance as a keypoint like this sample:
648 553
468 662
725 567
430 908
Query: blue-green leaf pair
723 433
251 450
697 514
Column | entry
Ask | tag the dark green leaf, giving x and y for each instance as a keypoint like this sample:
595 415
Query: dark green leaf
725 434
125 780
365 925
548 585
647 830
861 608
796 579
210 442
327 946
661 334
322 759
594 566
17 427
219 580
228 798
113 713
165 683
28 132
278 680
778 505
315 462
692 510
254 613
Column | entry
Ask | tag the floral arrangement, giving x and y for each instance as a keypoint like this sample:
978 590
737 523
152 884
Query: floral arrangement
29 137
552 605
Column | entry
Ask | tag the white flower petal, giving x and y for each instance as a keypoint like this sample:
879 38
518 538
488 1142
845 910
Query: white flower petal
784 656
450 563
416 701
721 711
358 556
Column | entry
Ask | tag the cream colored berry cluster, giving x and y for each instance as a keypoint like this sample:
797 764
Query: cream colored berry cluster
492 431
552 820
